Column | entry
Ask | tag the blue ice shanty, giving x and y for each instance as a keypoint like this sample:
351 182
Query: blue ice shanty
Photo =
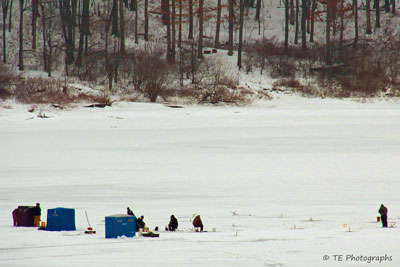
61 219
120 225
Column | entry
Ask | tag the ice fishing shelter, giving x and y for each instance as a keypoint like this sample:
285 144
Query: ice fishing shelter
25 216
120 225
61 219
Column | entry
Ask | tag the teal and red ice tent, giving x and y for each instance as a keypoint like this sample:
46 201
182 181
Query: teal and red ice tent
120 225
61 219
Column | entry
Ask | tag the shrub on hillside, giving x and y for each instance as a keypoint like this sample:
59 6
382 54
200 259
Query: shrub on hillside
7 79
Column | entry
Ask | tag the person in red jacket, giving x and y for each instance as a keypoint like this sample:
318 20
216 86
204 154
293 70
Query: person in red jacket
198 223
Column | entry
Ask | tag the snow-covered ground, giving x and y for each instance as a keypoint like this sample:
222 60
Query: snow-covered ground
283 183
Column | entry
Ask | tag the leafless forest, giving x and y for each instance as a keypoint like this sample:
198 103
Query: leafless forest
162 50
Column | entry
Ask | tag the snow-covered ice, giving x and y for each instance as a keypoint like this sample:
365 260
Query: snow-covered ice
282 183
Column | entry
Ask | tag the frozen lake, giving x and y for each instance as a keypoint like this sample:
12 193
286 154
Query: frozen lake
284 183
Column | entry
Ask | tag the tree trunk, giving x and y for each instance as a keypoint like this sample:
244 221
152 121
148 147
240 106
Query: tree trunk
35 13
258 10
67 27
328 32
190 19
341 32
314 5
21 35
308 16
292 12
136 23
146 20
355 9
5 6
393 7
84 31
296 31
173 27
10 17
378 20
218 25
303 25
170 56
230 18
74 24
115 28
387 5
122 26
239 62
286 46
368 15
180 25
200 41
45 62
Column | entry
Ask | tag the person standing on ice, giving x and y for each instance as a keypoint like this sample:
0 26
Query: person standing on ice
198 223
173 223
383 212
37 211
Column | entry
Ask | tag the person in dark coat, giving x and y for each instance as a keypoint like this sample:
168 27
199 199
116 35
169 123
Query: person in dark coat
173 223
383 212
129 211
140 223
15 217
37 212
198 223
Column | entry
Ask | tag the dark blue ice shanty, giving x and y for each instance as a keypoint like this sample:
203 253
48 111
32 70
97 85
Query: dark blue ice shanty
120 225
60 219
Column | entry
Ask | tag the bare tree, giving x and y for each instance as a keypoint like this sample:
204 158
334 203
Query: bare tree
22 8
200 39
303 25
146 20
5 7
258 10
230 18
292 12
329 19
296 31
218 24
355 10
84 31
48 18
35 15
368 15
286 45
173 28
377 17
313 8
190 19
239 62
122 26
115 28
393 7
67 28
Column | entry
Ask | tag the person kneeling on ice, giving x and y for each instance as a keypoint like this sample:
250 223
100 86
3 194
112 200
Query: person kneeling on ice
383 212
198 223
140 223
173 223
